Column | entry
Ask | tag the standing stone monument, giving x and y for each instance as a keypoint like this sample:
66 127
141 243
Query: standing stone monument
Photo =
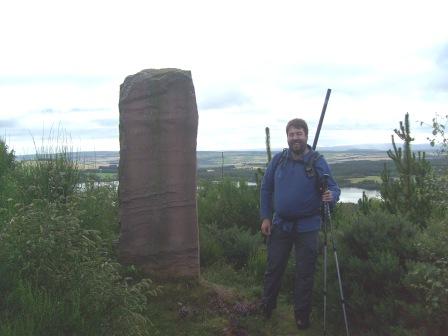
157 192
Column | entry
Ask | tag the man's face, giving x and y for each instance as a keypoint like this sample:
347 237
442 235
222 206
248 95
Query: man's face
297 140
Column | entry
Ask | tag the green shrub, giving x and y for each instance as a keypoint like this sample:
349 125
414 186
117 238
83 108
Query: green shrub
228 204
8 187
232 244
228 222
58 276
98 208
7 158
372 249
211 250
393 274
427 280
238 244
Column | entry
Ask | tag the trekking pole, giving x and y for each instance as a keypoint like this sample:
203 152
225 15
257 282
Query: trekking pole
327 221
321 119
325 274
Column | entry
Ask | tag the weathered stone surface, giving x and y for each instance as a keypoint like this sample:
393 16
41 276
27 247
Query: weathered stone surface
158 213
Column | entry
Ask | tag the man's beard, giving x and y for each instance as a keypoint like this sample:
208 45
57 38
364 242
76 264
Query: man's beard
298 150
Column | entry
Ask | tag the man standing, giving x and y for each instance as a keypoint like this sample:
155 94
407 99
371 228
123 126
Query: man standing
290 191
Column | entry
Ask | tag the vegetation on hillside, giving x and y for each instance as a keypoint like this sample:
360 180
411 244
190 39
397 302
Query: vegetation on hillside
59 272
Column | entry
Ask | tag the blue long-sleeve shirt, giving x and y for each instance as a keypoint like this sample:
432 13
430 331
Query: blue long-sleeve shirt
293 196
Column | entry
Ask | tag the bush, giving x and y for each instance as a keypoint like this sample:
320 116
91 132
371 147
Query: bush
211 250
229 204
427 279
58 277
373 250
228 222
7 184
7 158
98 208
232 244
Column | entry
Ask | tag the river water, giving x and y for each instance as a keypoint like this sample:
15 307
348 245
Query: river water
352 195
348 195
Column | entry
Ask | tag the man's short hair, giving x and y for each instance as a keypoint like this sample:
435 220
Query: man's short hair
297 123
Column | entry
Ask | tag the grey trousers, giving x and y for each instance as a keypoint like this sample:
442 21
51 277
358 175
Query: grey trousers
280 244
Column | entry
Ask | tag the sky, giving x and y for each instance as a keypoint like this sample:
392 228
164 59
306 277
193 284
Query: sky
254 64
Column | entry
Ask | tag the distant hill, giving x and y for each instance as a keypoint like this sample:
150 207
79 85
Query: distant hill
248 158
357 147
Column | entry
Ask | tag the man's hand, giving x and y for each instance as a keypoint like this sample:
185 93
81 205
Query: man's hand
266 227
327 196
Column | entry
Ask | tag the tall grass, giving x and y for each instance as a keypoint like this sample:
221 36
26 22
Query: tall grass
58 271
54 172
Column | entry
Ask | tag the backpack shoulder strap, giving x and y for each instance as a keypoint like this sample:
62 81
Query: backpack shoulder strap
310 169
310 166
282 158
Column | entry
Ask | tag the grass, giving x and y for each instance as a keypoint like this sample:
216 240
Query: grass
223 302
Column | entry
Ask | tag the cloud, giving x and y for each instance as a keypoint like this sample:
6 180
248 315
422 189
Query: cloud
54 79
222 99
355 125
48 111
95 133
440 80
107 122
442 57
88 109
8 123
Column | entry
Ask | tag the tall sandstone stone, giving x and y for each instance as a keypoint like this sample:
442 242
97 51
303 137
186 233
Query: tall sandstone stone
157 193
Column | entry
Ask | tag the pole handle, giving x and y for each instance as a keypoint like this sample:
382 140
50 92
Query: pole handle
324 182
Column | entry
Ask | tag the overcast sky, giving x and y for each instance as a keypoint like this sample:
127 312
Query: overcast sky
254 64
